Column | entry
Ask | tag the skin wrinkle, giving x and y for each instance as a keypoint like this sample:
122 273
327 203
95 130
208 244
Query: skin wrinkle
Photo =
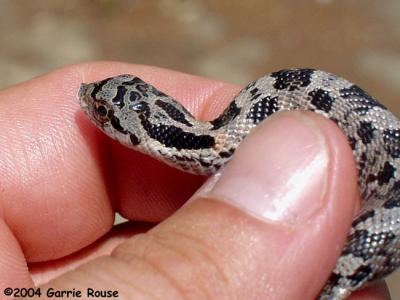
12 165
55 138
154 266
203 253
58 170
10 259
211 261
129 284
36 146
22 151
159 239
147 292
123 279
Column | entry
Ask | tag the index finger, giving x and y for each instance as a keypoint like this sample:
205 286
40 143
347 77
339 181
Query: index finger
62 179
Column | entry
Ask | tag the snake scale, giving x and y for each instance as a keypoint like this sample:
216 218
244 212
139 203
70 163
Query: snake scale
141 117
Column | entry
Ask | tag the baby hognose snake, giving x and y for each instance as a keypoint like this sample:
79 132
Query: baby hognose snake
140 116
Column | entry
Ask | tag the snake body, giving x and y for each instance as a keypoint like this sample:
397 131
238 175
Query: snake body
139 116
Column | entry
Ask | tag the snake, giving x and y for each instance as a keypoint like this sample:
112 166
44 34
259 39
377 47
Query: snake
140 116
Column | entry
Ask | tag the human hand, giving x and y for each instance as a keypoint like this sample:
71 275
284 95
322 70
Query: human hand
62 181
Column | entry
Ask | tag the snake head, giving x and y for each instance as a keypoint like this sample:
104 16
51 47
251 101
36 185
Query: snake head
109 103
120 106
139 116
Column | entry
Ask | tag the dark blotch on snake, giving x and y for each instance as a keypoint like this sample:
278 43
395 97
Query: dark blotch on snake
360 219
226 117
365 132
180 158
292 79
97 87
117 126
134 139
321 99
263 108
133 96
386 174
227 154
360 274
134 80
254 94
360 238
352 141
254 91
394 200
359 97
119 97
174 112
172 136
143 88
205 164
392 146
334 279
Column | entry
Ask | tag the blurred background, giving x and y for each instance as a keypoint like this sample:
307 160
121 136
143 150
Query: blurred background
231 40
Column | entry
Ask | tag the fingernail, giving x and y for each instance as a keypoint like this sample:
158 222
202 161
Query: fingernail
279 173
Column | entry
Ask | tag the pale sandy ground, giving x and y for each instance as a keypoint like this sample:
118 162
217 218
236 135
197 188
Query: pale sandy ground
235 41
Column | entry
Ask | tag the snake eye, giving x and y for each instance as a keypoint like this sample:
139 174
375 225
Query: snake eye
101 110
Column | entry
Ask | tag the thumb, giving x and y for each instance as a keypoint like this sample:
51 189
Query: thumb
282 207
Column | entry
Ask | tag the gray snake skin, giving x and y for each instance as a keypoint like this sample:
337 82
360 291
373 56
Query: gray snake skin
141 117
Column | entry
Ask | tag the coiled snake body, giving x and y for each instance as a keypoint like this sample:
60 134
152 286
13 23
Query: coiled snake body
140 116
